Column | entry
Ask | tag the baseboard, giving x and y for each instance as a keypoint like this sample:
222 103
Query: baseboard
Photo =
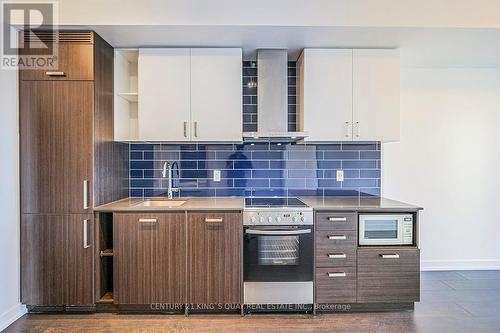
450 265
11 315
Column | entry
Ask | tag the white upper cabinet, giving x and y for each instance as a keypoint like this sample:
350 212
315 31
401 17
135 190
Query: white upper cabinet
325 92
164 90
190 94
216 94
376 90
349 94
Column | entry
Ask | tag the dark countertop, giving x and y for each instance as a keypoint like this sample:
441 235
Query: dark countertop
358 203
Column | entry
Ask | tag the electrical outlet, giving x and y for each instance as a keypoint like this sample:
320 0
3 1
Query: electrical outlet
216 175
340 175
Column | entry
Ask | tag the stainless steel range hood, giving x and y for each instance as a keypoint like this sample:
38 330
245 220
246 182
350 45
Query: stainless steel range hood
272 98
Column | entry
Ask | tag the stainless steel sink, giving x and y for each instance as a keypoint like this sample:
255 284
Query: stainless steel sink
162 203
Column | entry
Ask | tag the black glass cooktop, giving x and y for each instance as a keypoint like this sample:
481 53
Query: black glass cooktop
274 202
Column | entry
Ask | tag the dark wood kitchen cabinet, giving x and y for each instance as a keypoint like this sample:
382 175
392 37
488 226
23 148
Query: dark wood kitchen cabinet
57 140
57 259
388 274
149 258
68 164
214 258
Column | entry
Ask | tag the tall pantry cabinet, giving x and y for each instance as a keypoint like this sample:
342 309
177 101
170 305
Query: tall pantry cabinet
68 164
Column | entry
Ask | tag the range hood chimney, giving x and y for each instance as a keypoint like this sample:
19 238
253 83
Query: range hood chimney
272 98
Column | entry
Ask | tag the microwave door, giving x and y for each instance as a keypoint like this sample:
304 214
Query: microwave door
380 230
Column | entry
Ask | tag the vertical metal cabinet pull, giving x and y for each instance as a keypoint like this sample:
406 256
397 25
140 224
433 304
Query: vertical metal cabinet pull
347 134
85 194
336 274
195 129
337 219
185 129
358 129
54 73
214 220
390 256
86 244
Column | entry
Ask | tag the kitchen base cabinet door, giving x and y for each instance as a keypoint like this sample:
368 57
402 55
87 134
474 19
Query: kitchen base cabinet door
57 259
214 258
388 275
149 258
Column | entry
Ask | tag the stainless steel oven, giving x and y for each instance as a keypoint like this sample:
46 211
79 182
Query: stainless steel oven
278 252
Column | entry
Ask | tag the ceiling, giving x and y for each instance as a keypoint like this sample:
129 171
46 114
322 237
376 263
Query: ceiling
419 47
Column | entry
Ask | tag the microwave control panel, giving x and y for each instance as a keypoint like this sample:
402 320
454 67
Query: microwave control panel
408 229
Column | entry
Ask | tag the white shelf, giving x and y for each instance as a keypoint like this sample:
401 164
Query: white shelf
131 97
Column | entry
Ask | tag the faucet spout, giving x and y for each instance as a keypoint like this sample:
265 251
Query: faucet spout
168 171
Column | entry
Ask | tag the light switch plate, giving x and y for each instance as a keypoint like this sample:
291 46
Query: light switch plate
216 175
340 175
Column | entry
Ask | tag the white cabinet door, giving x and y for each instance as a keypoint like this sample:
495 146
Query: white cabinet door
164 90
326 94
376 95
216 94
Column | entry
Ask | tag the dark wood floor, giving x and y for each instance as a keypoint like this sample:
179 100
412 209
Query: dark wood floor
453 301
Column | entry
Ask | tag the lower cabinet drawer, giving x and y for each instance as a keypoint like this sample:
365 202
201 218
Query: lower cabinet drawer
335 257
336 285
388 275
336 221
336 248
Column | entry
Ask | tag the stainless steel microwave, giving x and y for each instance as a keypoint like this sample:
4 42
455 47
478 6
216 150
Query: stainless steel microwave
385 229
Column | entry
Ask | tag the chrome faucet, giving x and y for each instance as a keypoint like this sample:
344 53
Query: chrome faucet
168 171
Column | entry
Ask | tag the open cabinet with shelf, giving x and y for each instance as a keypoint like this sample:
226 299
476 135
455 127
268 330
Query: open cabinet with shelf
104 260
126 94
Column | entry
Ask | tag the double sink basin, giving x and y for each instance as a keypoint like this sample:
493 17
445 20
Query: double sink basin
167 203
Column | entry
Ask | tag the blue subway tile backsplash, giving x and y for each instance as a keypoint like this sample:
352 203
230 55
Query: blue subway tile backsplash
260 169
257 169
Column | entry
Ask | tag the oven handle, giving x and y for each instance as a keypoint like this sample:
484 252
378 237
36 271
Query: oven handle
277 232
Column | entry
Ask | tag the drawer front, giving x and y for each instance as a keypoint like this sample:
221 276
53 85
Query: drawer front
388 275
336 221
335 257
336 285
336 239
75 62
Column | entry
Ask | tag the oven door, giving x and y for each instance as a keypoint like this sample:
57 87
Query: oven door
380 229
278 254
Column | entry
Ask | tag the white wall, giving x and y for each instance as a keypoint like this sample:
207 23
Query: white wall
448 161
10 307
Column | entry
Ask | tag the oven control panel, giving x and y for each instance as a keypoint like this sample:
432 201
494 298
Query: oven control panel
278 217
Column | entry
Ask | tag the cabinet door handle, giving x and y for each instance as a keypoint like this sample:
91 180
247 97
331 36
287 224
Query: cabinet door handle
358 129
337 219
336 274
337 237
195 129
337 255
148 220
85 194
390 256
214 220
347 132
185 129
54 73
86 244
